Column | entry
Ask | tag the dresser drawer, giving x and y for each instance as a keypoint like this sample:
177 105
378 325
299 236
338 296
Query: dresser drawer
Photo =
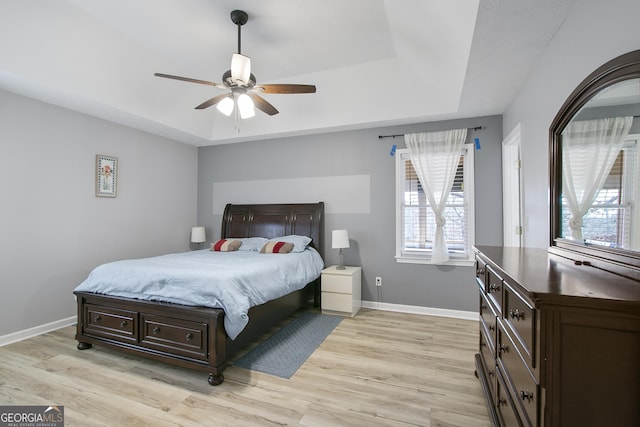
111 323
174 336
493 289
520 317
481 273
489 320
525 389
507 413
488 356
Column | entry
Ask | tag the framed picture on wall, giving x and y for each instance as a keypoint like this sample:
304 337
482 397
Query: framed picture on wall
106 176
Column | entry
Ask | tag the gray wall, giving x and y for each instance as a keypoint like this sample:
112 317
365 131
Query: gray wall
595 32
372 234
53 230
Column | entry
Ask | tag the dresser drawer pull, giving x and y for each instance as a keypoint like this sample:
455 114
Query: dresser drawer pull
503 348
189 336
480 272
526 395
491 373
492 328
494 287
502 402
98 318
516 314
156 330
123 324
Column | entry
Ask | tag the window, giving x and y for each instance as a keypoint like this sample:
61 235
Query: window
415 220
611 220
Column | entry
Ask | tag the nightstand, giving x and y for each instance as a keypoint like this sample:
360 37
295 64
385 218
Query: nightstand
341 290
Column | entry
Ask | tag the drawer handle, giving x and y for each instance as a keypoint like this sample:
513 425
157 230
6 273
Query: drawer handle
503 348
189 336
98 318
123 324
492 328
516 314
526 395
494 287
156 330
480 272
502 402
491 373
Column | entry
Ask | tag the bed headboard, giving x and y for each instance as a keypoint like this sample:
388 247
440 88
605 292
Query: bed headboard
273 220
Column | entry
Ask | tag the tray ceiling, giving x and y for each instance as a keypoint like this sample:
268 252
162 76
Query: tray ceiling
374 62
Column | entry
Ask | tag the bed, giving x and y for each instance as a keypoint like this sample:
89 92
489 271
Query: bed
194 336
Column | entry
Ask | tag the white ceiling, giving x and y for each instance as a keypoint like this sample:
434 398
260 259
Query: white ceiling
374 62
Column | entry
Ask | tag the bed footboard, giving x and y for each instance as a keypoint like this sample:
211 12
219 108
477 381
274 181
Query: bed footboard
186 336
191 337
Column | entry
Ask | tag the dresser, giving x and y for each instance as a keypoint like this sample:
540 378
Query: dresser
341 290
559 343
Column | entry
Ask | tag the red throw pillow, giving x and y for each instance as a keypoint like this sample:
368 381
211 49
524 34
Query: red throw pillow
276 248
226 245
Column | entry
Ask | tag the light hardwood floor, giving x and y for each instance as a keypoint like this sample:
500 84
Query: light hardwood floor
379 368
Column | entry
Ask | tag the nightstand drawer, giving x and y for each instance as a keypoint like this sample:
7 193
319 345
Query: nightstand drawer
336 283
337 302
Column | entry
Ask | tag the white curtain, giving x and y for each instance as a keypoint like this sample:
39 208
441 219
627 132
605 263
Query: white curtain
589 150
435 157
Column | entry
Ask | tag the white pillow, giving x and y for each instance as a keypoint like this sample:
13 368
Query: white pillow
252 243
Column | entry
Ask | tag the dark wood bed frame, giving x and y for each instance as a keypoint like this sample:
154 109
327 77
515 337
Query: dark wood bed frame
194 337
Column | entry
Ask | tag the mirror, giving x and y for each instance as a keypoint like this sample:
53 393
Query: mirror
595 170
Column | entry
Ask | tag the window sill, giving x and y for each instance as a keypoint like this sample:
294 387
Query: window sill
457 262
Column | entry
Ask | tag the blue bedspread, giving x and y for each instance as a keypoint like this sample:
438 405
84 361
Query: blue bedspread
233 281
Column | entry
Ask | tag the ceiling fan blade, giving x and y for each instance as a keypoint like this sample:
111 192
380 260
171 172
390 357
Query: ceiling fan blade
286 88
189 79
213 101
262 104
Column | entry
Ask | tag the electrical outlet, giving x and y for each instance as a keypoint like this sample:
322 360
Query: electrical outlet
378 281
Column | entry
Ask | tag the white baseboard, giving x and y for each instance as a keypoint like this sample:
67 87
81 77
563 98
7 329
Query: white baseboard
427 311
384 306
36 330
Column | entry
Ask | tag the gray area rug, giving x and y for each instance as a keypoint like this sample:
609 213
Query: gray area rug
286 350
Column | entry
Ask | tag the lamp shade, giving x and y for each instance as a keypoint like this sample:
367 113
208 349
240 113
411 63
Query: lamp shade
198 235
226 106
339 239
240 68
246 107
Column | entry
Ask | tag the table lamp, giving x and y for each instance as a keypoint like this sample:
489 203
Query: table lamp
340 240
198 235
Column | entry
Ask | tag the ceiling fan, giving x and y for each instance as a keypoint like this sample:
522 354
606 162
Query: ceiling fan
242 83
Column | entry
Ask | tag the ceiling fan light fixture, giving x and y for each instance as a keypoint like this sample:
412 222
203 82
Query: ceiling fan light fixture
226 106
244 93
240 68
245 106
